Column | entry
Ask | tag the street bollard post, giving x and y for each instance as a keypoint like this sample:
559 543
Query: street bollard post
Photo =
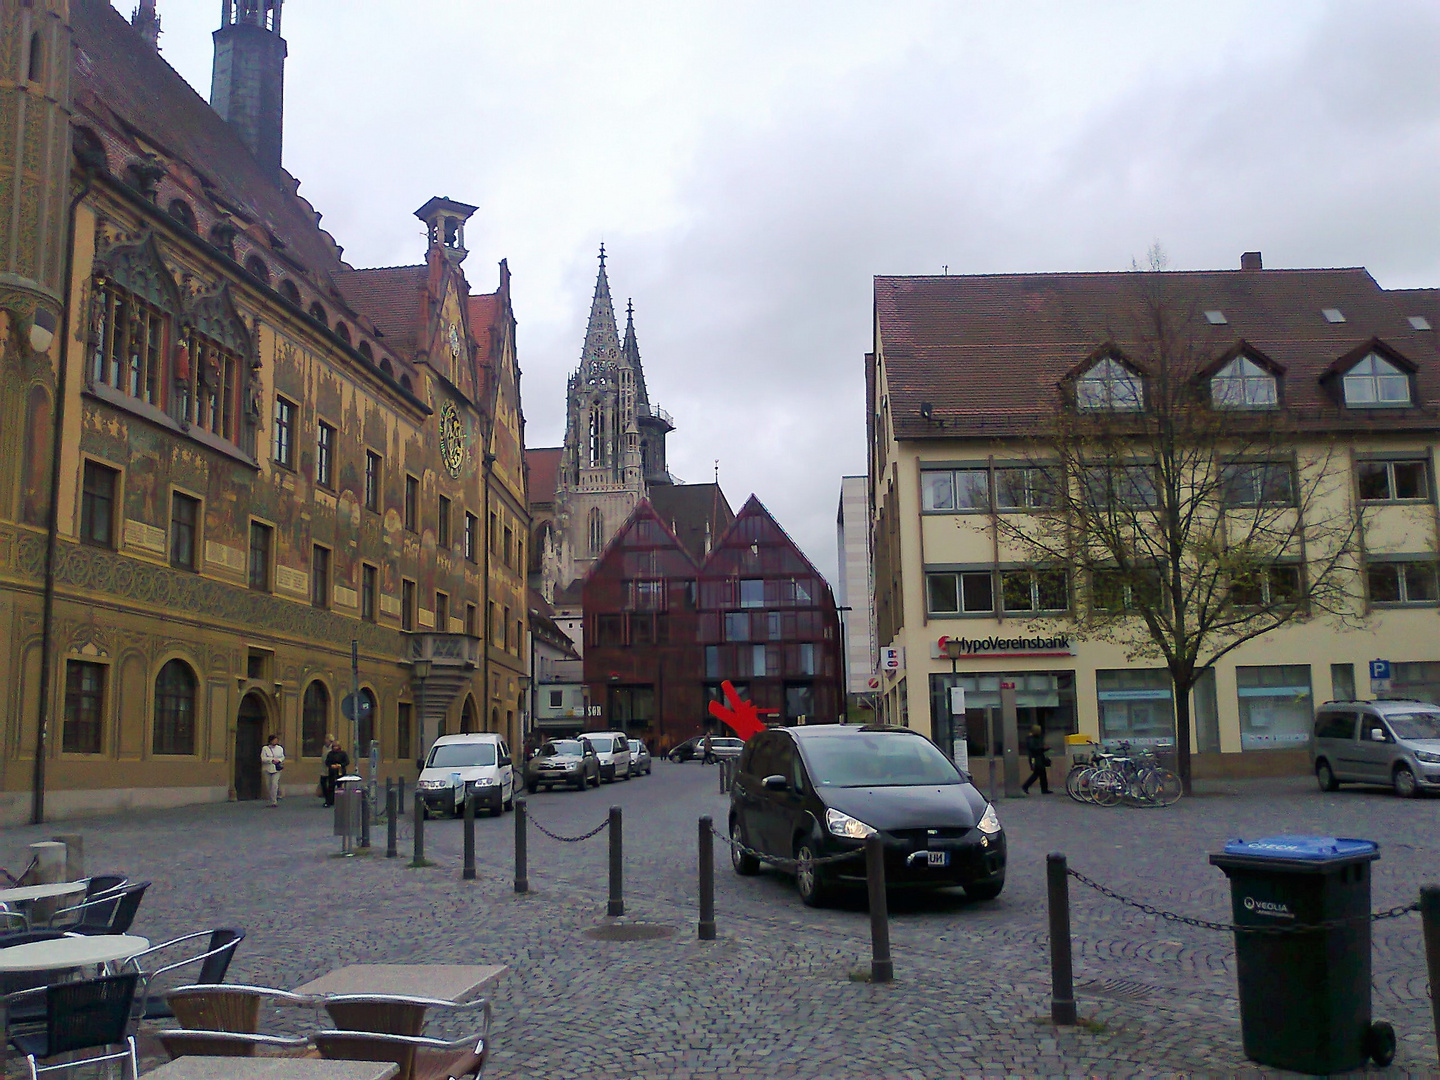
468 873
1062 980
522 858
707 881
720 776
400 798
882 969
617 866
392 811
364 817
1430 926
419 859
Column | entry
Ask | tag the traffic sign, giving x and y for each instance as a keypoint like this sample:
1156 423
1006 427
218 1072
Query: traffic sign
348 707
1380 669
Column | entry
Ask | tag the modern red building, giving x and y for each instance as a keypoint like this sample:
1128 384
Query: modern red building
664 629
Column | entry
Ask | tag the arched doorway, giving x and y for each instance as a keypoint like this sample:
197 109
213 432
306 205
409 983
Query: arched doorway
467 716
249 738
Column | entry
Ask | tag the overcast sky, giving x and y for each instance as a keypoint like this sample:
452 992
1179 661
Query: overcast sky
750 167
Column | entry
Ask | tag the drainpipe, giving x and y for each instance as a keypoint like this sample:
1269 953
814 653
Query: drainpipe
485 602
52 525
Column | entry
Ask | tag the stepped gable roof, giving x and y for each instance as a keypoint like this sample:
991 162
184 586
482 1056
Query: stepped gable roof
988 352
544 465
391 298
125 86
693 512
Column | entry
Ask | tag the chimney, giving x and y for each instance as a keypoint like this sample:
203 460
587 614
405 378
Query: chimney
247 83
147 23
1250 260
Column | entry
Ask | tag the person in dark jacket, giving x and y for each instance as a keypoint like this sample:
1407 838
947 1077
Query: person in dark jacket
1035 750
337 761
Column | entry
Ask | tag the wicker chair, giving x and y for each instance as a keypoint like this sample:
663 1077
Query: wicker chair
184 1043
419 1058
231 1007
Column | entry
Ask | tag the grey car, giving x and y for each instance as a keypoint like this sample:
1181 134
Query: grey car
568 762
1396 743
640 762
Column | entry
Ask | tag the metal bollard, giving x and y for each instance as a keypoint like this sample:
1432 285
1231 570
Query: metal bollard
392 807
707 881
617 865
400 798
522 854
419 859
364 817
1430 925
468 873
882 969
1062 980
720 776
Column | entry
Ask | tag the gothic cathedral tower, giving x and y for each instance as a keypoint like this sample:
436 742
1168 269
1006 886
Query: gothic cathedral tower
247 83
614 448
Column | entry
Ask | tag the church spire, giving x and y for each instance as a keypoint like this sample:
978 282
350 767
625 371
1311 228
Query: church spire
630 353
147 23
602 343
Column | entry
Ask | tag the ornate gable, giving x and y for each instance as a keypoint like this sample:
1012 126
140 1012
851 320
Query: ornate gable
138 268
213 314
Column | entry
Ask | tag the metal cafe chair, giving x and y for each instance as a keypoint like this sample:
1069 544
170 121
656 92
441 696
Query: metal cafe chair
214 961
92 1014
419 1057
232 1007
111 912
187 1042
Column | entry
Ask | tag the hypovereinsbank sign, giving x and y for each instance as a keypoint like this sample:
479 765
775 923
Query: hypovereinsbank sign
949 647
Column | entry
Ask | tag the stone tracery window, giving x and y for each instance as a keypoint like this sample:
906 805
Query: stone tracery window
130 339
597 530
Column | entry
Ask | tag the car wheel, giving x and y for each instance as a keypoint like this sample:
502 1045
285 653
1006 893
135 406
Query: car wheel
1325 777
743 864
1404 781
988 890
809 880
510 802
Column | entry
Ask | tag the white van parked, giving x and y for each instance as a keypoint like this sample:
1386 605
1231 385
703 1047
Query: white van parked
613 750
459 764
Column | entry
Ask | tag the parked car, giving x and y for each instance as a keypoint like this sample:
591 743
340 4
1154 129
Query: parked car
640 762
721 746
571 762
1377 742
810 792
613 750
459 764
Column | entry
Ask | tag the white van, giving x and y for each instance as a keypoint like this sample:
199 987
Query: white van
613 750
458 764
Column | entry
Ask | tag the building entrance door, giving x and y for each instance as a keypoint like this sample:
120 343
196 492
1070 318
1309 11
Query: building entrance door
249 738
631 707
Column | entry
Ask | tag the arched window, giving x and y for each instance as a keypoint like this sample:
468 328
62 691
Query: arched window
1375 382
597 530
222 235
256 268
406 384
290 291
130 342
467 716
1243 384
315 715
342 332
36 66
181 212
495 720
174 709
386 368
1109 384
367 726
317 312
366 351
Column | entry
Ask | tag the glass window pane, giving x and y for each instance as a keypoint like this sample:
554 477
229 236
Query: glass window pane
1420 585
1050 591
972 489
938 490
977 592
1409 479
1394 388
1384 582
1015 591
752 593
1373 478
1276 710
944 599
1284 584
1359 390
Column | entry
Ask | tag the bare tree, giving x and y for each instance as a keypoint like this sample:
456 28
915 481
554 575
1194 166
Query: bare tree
1196 515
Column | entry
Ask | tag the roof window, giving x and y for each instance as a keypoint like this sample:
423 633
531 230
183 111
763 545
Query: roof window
1110 385
317 312
1333 314
290 291
1216 318
1244 384
256 268
1376 383
1419 322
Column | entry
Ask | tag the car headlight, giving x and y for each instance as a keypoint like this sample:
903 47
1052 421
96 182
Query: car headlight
484 781
432 785
847 826
1426 755
989 822
574 766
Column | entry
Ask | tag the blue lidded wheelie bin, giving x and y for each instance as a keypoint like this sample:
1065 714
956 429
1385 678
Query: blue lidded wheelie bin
1305 994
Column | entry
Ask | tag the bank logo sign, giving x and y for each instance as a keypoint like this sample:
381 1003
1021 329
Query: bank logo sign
958 647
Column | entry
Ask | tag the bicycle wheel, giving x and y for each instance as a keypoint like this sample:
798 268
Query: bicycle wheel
1163 787
1106 787
1074 782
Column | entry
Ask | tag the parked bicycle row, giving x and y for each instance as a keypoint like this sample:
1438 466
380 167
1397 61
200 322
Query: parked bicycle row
1132 776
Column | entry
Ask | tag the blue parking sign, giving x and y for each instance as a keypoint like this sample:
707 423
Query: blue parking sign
1379 669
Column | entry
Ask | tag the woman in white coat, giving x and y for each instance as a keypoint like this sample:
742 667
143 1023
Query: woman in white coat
272 761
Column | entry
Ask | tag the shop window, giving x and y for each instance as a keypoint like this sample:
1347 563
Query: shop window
1034 590
1276 706
1342 682
1244 384
1418 680
97 504
1393 481
965 593
1258 483
1025 488
1136 705
174 710
1109 385
799 701
955 489
84 723
1403 582
1376 383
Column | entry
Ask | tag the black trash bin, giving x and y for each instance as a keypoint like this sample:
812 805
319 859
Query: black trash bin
1305 996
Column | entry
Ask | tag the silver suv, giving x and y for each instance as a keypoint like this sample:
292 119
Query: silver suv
1377 742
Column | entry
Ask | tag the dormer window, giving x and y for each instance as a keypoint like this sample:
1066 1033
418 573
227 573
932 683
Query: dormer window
1375 383
1244 384
1110 385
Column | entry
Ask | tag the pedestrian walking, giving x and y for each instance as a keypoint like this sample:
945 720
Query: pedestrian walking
1039 761
320 780
272 764
707 756
337 762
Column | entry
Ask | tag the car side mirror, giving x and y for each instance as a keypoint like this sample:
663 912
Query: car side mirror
1377 734
776 783
504 760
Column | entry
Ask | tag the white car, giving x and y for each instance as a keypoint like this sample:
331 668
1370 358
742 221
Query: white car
460 764
613 750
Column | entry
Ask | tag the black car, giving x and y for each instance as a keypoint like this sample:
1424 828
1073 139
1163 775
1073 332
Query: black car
805 793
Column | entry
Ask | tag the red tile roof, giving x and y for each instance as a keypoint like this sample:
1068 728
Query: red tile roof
543 463
392 298
988 352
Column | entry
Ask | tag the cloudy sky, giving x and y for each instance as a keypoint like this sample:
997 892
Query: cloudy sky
750 166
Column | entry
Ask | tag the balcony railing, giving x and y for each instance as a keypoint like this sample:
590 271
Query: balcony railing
446 650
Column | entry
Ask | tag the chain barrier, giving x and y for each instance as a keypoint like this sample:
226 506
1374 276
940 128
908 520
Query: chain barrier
1227 928
530 819
779 860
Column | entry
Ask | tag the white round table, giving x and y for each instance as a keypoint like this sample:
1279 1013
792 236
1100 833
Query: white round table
25 893
71 952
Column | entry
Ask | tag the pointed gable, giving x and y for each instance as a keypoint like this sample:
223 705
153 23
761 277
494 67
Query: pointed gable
755 545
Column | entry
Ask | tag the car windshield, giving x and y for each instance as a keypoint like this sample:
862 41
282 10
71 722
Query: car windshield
1416 725
877 759
562 748
461 755
636 746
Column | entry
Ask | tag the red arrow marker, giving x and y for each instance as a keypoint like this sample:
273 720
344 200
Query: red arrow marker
740 717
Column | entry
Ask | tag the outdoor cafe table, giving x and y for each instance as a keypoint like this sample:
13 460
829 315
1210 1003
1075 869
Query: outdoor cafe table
24 894
261 1068
447 982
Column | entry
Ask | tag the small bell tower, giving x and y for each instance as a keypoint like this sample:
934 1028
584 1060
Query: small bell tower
445 220
247 83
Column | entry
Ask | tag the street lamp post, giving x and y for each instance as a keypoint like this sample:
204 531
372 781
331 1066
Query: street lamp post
844 665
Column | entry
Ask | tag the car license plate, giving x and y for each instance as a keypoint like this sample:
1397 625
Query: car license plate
937 858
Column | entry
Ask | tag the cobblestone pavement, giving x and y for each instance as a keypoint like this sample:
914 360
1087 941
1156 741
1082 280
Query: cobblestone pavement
777 995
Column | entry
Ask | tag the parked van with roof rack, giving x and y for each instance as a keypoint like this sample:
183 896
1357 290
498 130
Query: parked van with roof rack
1395 742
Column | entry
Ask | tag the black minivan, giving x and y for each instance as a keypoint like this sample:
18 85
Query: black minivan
808 792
